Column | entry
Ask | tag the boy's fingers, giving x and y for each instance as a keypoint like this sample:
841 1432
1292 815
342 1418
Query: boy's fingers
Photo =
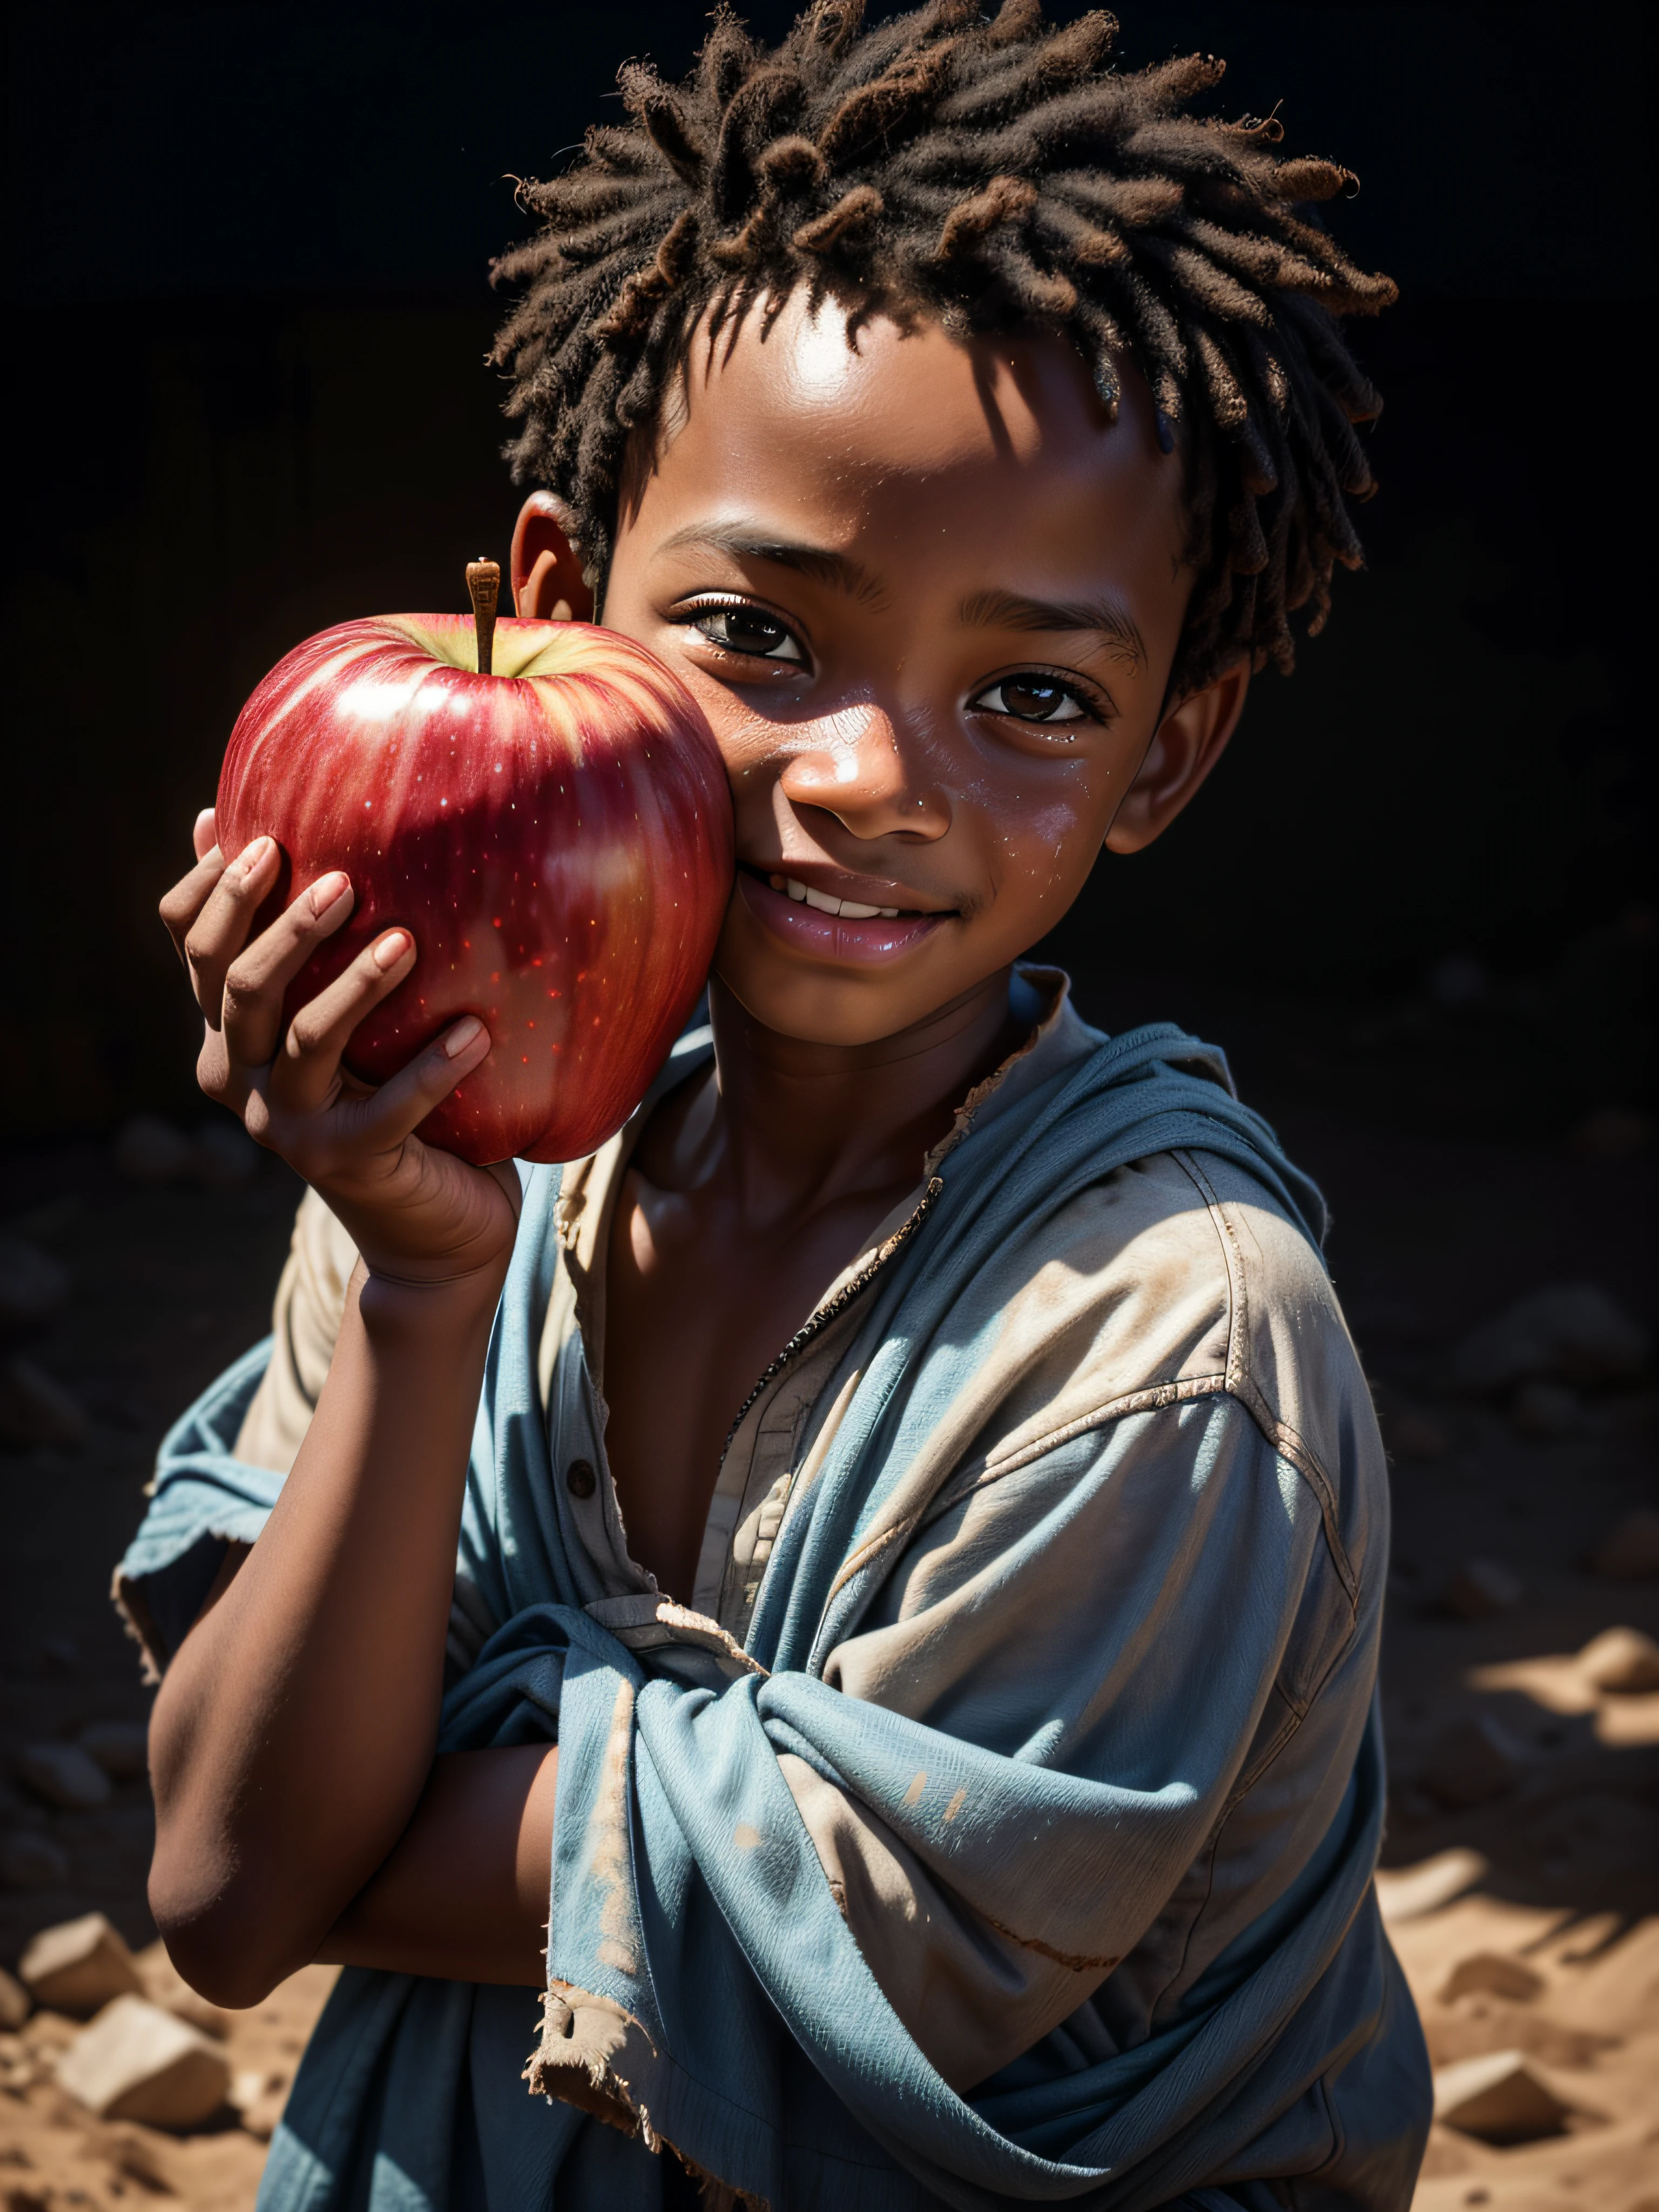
220 929
184 901
306 1069
205 834
398 1106
256 981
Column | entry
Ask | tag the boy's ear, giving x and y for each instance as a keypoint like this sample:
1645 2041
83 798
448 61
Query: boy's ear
1186 745
547 571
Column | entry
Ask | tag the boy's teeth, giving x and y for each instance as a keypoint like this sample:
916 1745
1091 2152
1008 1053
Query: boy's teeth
850 909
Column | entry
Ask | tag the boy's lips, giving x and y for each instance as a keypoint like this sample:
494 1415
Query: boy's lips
783 905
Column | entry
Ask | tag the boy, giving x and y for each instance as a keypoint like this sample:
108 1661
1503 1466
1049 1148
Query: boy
954 1750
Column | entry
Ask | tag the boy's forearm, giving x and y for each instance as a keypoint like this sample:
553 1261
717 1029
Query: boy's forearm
292 1734
464 1895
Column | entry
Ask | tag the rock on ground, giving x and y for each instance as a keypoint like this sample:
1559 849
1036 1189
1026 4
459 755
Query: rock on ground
1499 2098
62 1774
29 1860
78 1966
1621 1660
1566 1332
136 2062
121 1747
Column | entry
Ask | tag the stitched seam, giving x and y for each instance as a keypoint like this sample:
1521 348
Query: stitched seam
1135 1401
1151 1399
1242 1382
1232 1259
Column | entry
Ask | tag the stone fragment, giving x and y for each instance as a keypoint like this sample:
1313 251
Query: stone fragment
32 1286
1469 1762
61 1774
1568 1332
1629 1553
1498 2098
121 1747
29 1860
14 2002
259 2099
1493 1974
1545 1412
79 1966
1477 1588
1622 1660
151 1150
136 2062
1409 1893
133 2156
35 1409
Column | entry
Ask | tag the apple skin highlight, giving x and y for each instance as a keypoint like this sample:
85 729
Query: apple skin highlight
557 836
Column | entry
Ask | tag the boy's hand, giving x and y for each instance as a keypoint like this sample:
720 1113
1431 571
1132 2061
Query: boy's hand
417 1215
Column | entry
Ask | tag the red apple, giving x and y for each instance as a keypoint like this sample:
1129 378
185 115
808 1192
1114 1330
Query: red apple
557 835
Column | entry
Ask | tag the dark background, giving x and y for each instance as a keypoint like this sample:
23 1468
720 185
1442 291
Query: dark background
247 251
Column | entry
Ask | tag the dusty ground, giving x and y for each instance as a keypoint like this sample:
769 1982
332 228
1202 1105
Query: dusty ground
1432 1234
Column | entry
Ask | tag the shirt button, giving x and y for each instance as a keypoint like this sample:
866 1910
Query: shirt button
579 1478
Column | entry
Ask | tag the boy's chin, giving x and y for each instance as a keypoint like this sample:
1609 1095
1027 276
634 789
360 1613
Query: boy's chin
827 1006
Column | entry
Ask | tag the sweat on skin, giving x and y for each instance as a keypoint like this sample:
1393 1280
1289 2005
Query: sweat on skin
1058 1297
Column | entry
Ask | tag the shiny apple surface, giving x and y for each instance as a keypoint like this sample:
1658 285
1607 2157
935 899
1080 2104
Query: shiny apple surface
556 834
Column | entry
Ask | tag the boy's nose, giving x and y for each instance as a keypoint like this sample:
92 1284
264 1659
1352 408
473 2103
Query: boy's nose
855 765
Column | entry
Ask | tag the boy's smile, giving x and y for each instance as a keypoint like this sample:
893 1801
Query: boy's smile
928 598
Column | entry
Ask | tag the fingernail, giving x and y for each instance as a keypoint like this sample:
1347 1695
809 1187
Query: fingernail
326 890
462 1035
251 855
391 948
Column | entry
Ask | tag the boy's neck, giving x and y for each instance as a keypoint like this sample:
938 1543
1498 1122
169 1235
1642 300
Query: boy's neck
789 1124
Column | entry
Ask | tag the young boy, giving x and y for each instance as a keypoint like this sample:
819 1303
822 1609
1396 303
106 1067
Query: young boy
900 1532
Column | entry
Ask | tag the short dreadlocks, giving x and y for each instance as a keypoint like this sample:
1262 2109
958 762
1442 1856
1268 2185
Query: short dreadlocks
990 175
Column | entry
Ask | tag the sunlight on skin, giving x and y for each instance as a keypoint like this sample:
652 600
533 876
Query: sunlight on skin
892 509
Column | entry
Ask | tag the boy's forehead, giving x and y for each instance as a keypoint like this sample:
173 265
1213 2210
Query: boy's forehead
905 430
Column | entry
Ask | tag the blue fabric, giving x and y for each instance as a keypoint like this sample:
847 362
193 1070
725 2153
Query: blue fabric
685 1887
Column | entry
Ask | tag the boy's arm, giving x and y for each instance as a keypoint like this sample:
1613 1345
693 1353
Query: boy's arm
293 1736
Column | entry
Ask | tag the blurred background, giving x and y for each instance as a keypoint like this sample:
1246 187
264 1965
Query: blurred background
246 265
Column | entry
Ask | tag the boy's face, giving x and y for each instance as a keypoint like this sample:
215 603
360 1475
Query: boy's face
929 600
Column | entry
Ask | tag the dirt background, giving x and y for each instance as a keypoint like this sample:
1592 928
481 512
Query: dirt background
1433 1234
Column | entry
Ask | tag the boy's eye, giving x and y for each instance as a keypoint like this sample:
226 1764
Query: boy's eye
1034 699
750 630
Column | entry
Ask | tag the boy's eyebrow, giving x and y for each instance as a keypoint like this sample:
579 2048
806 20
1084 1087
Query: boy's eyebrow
1104 618
821 563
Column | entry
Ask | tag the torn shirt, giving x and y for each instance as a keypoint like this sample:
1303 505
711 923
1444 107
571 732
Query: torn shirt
1024 1696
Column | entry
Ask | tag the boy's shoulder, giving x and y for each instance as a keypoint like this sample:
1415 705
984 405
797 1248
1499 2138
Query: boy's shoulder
1176 1278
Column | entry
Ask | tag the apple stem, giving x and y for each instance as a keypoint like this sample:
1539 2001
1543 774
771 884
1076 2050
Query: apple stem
483 581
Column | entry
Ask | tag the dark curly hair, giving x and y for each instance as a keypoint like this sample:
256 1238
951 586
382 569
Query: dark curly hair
989 175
